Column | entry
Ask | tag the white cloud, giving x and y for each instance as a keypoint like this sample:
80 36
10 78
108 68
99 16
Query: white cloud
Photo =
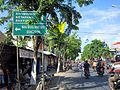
105 14
94 16
100 35
108 33
87 23
85 38
104 24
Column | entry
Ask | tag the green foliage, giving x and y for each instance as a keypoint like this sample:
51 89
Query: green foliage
84 2
55 10
68 45
72 46
8 42
95 49
22 42
1 1
55 37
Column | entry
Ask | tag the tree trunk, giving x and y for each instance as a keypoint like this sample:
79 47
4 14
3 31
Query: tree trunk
64 61
59 61
33 71
58 67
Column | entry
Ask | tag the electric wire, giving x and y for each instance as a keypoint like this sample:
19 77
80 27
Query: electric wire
100 33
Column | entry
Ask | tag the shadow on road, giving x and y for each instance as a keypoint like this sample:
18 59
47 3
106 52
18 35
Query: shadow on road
81 83
55 83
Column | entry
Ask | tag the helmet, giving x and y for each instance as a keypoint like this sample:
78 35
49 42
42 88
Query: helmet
86 60
117 58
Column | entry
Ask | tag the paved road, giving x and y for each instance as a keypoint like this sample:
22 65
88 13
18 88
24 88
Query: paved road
75 80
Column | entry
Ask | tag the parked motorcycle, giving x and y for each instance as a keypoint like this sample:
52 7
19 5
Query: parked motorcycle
114 80
117 84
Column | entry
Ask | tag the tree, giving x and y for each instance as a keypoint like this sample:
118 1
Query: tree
56 39
53 9
67 46
95 49
73 44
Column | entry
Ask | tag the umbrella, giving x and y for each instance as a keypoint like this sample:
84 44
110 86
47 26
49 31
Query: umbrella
116 46
2 37
116 43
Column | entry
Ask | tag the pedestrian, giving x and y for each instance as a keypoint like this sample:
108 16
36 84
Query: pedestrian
94 65
80 65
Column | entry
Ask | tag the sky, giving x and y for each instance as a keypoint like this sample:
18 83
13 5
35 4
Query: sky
2 27
100 21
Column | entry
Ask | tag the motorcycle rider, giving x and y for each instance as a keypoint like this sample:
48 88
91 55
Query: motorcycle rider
86 67
100 67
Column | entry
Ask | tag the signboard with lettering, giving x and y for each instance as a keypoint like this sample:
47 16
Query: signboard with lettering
28 23
27 53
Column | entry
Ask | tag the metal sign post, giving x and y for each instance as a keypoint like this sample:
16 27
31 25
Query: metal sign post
43 78
18 78
29 23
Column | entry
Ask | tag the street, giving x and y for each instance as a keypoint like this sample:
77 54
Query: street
75 80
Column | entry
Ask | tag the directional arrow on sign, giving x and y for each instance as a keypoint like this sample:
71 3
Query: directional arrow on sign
17 29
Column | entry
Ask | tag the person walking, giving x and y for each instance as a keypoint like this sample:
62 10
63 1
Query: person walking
94 65
80 65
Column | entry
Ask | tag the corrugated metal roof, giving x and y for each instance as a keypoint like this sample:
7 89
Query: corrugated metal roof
2 37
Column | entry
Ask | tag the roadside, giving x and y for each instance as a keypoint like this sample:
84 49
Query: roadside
75 80
53 85
56 80
38 84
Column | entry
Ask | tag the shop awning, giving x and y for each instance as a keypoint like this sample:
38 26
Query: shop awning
116 46
2 37
116 43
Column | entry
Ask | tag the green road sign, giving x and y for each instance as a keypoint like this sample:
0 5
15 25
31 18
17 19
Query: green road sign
28 23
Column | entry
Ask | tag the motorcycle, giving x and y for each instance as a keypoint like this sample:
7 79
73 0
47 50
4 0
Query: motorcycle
116 83
86 74
100 71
